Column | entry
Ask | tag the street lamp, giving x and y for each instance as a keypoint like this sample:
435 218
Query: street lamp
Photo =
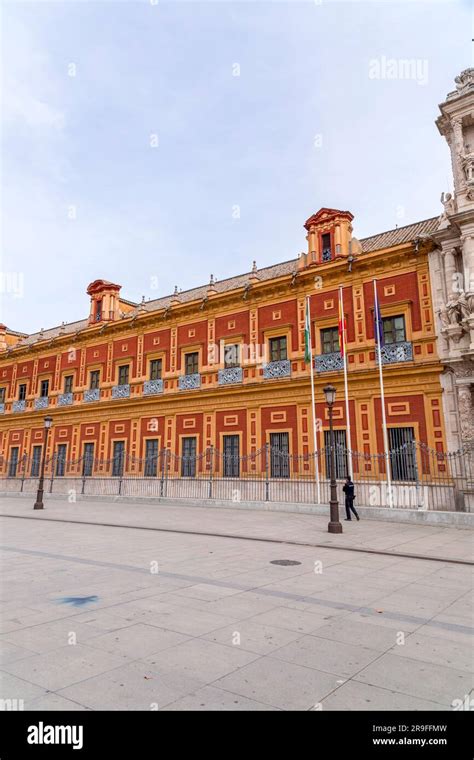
334 526
48 421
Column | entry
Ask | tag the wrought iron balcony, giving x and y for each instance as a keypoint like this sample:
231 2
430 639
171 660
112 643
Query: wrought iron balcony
121 391
92 394
397 352
19 406
2 408
230 375
280 368
151 387
64 399
189 382
328 362
41 403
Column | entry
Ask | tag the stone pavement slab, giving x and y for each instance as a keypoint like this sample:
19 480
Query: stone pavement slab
221 627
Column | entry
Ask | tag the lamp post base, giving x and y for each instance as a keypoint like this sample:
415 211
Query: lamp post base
38 505
334 527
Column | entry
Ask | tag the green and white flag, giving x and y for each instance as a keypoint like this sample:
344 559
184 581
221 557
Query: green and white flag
307 335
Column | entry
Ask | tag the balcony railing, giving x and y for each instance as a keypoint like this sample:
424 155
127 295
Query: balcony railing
121 391
397 352
19 406
230 375
276 369
65 399
328 362
2 408
189 382
92 394
41 403
152 387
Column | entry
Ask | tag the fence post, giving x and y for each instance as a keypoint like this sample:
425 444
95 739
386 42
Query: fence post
267 481
162 476
23 473
419 504
167 466
211 465
52 460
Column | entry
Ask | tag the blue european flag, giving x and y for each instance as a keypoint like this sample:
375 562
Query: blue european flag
378 324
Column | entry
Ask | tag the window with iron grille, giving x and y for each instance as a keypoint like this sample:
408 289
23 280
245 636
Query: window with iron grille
232 355
191 363
231 456
22 392
119 458
278 349
340 453
44 389
326 246
13 465
98 311
36 461
394 329
88 460
94 380
402 453
329 340
2 395
61 460
151 458
279 455
155 369
68 380
188 457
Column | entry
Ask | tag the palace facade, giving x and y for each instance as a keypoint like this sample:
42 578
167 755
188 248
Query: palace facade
222 364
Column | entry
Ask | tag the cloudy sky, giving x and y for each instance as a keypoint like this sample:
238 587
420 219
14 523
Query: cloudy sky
151 143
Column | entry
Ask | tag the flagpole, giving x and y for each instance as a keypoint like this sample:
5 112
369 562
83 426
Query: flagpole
382 394
313 405
344 358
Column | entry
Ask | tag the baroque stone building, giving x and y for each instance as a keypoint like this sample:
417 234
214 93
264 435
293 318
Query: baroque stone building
452 265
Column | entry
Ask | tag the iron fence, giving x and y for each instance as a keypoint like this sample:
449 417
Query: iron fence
421 478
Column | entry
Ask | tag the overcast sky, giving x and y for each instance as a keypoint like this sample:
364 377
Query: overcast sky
153 143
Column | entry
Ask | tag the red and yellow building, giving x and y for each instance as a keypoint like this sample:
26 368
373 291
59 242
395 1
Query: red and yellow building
223 364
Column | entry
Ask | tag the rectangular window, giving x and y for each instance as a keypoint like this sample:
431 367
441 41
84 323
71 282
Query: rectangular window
68 383
95 379
279 455
2 395
119 458
402 453
232 355
88 460
44 388
231 456
329 340
326 246
36 461
61 460
191 363
123 375
155 369
22 392
13 464
394 329
98 311
340 453
188 459
151 458
278 350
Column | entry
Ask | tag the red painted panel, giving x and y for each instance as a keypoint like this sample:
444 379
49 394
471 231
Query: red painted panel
406 287
199 338
289 315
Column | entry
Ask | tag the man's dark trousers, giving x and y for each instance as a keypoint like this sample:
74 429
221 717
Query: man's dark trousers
350 507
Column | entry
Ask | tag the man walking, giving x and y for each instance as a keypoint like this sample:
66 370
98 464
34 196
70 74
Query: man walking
348 489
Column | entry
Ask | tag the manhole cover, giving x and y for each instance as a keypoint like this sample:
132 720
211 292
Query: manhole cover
284 562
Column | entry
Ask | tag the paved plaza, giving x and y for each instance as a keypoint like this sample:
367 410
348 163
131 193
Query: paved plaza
179 607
